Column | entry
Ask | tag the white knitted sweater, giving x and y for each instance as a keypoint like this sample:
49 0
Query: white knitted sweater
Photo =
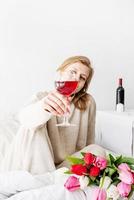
40 145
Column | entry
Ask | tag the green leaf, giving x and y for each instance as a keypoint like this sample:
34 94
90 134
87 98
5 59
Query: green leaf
97 182
128 160
132 187
118 157
89 181
111 171
130 194
92 178
114 167
118 160
68 172
110 159
132 167
83 153
106 170
74 160
116 181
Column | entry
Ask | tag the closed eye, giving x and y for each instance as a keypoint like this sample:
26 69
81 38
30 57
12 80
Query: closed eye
73 71
83 78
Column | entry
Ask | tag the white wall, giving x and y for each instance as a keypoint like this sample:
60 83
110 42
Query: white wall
36 36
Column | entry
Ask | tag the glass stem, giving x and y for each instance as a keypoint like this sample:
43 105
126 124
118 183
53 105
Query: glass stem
65 118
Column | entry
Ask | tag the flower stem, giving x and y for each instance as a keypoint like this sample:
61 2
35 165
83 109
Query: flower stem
102 180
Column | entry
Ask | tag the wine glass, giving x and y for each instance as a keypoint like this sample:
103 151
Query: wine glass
66 84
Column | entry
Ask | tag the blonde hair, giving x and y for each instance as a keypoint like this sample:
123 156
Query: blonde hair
81 98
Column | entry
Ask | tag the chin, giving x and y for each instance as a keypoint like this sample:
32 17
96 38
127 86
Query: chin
78 90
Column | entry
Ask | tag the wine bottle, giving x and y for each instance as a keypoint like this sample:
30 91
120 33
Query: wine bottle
120 97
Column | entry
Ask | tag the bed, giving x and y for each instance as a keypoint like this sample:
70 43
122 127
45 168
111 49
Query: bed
18 185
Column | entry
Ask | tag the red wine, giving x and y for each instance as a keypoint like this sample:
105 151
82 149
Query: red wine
66 87
120 93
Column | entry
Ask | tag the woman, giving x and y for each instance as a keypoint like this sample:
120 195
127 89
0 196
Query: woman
40 145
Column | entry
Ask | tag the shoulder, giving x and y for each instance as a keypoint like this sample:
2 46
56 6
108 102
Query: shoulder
91 102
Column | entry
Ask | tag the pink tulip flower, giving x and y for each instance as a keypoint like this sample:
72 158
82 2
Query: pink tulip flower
126 177
124 189
124 167
72 183
99 194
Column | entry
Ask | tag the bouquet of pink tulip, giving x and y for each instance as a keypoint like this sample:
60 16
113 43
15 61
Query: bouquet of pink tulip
113 176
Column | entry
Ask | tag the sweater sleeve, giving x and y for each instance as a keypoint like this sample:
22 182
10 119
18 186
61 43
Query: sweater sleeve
91 121
34 115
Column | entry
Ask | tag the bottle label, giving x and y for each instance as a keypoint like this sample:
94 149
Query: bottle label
120 107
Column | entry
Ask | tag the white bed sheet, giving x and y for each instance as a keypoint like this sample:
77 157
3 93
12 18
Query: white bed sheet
18 185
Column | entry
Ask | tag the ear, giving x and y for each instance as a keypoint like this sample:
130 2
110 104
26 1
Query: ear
84 89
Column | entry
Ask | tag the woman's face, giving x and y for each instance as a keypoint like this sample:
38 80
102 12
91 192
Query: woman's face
81 72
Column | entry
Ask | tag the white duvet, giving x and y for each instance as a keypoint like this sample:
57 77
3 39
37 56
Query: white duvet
18 185
21 185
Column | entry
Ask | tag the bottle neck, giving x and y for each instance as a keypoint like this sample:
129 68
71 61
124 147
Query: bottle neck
120 82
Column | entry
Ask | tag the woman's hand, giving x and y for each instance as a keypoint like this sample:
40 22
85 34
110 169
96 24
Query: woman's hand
56 103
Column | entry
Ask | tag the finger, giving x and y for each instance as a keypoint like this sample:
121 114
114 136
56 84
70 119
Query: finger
68 109
54 105
63 98
51 110
57 101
